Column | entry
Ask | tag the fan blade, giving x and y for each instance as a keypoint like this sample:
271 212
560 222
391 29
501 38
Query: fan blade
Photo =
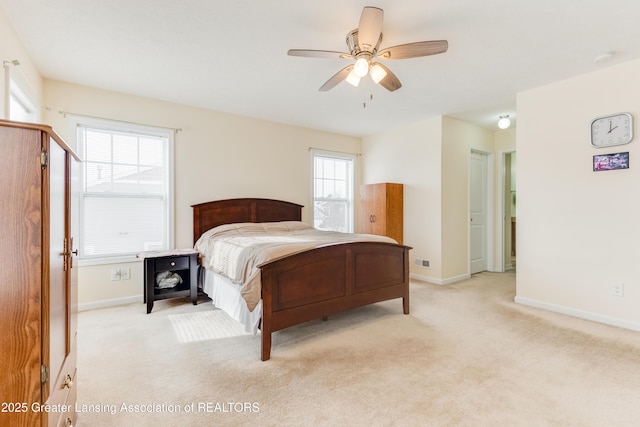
337 78
390 81
414 50
370 28
310 53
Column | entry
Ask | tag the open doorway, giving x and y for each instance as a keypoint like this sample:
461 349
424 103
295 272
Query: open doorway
508 208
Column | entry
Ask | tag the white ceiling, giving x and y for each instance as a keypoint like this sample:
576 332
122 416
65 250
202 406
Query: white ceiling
232 55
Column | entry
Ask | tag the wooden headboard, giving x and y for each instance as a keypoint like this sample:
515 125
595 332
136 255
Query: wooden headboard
212 214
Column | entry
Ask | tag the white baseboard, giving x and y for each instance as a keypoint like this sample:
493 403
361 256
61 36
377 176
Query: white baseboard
438 281
595 317
456 279
109 303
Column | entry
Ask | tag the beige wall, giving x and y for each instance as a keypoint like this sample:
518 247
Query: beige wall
217 156
505 140
431 158
411 155
578 230
458 140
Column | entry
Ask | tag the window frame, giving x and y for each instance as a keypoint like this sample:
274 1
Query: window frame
351 181
124 127
18 89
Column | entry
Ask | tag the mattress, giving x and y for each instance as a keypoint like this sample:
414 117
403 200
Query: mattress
236 251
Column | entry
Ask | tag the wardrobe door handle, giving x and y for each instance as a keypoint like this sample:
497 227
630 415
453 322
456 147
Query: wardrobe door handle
68 382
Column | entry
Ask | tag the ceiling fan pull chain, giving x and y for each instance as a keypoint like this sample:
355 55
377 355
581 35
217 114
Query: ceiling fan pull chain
364 102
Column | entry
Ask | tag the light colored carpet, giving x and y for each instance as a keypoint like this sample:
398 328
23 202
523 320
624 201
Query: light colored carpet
467 355
205 326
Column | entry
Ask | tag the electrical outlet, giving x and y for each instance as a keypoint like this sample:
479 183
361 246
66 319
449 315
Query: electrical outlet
423 262
115 274
125 273
617 290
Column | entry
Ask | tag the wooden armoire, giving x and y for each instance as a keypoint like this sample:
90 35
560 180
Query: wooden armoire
381 208
38 279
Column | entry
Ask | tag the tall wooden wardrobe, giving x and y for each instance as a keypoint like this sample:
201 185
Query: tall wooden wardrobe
381 208
38 279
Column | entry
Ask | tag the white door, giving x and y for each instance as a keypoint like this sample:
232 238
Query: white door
478 214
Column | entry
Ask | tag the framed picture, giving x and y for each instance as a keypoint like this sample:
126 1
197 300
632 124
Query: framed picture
608 162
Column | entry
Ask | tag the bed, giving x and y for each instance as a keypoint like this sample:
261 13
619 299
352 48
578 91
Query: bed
308 284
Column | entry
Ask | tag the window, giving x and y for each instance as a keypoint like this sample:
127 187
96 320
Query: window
127 199
21 108
333 182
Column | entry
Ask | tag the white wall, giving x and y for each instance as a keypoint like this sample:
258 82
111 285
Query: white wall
217 156
578 230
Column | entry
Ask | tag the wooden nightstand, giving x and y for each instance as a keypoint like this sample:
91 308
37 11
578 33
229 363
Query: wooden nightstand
183 262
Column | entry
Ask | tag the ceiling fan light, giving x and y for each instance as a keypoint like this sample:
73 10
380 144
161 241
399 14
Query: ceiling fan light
361 67
352 79
377 73
504 122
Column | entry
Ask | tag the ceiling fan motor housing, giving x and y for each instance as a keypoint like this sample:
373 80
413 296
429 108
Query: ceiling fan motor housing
356 49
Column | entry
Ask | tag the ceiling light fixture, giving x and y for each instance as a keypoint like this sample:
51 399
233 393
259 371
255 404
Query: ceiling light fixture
504 122
363 45
377 73
361 67
352 79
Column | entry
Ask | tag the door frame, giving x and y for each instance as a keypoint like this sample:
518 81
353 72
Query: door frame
490 198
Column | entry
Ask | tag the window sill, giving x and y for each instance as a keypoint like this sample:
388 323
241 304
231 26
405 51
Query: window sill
106 261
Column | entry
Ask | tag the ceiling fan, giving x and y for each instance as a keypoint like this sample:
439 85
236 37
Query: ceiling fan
363 44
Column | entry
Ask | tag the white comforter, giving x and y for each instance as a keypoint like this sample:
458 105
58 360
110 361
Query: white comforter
236 250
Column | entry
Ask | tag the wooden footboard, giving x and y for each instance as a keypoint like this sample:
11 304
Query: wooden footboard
330 279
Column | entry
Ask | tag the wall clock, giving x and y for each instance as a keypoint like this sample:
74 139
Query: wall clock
616 129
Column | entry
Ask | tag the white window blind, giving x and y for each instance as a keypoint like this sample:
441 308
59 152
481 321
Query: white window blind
333 187
126 191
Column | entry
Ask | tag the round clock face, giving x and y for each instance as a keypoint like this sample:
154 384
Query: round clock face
616 129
